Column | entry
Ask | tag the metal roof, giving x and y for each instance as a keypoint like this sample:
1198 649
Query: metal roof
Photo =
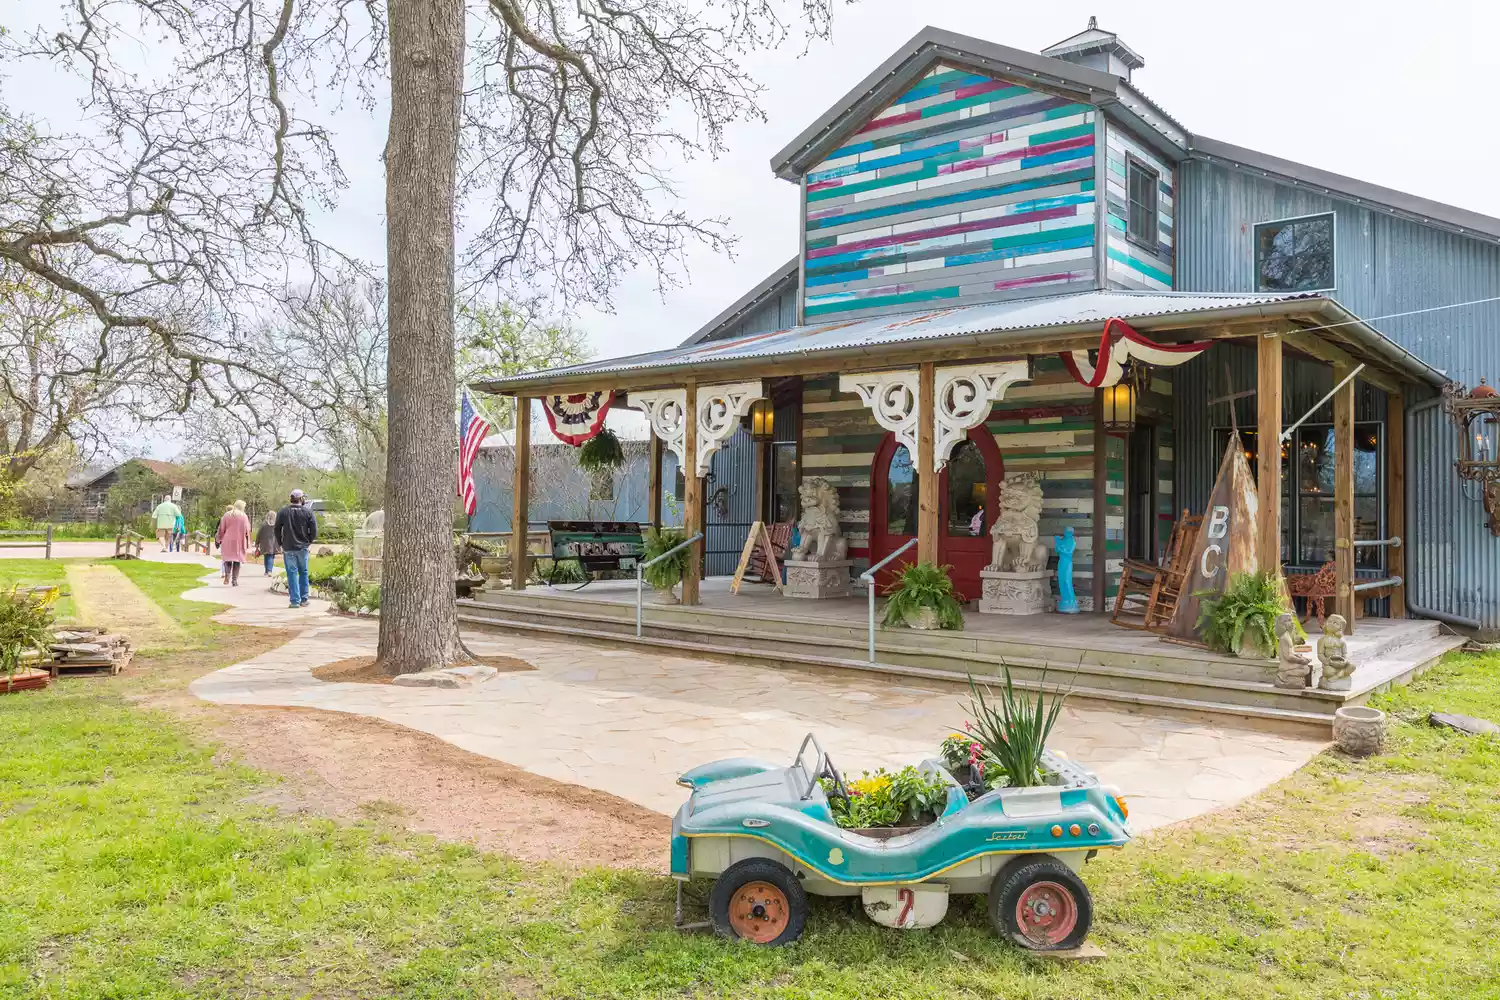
1410 206
864 340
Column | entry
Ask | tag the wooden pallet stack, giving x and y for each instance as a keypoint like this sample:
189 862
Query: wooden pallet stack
82 647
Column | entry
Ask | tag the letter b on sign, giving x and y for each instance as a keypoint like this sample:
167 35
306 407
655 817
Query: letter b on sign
1218 522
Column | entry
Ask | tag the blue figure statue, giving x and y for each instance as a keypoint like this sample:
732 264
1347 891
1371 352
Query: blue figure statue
1067 601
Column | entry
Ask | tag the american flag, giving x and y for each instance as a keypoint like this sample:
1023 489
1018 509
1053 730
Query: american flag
472 427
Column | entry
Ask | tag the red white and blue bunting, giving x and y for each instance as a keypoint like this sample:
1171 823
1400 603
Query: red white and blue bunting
576 418
1121 344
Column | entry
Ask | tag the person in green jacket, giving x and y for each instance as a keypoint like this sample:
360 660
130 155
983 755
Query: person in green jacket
166 516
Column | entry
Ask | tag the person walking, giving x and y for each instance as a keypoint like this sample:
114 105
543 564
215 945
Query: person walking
234 538
165 517
179 533
296 530
265 541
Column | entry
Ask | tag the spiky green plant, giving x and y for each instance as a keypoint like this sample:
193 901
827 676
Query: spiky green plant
1013 730
1248 607
25 623
924 585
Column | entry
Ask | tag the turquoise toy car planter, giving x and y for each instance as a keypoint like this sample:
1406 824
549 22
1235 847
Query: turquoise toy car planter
765 834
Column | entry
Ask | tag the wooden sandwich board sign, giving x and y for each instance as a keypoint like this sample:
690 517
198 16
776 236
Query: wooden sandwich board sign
759 535
1226 544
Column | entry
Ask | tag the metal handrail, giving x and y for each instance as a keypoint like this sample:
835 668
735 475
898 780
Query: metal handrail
1370 543
1394 581
640 581
869 577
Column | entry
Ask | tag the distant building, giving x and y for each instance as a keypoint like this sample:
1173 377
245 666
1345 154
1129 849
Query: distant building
93 493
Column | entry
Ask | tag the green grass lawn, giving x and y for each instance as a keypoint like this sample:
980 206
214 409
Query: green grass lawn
38 573
136 867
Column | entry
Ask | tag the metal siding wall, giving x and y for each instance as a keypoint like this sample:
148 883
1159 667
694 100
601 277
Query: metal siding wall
1384 265
494 478
732 466
966 189
776 312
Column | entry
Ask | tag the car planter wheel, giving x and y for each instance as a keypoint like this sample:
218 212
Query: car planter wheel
760 901
1041 904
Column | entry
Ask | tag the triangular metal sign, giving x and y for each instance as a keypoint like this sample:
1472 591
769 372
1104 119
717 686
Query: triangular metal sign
1226 542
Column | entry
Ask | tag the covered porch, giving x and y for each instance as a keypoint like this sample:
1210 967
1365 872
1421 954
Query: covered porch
917 421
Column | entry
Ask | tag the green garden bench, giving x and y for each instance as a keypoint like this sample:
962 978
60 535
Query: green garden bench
596 546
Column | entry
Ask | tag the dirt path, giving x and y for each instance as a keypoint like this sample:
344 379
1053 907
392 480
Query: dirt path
351 767
107 598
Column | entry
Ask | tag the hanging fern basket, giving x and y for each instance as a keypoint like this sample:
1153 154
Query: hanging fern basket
601 452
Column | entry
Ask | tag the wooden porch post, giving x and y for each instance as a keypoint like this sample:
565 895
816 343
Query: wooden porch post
929 503
653 482
692 502
1395 500
1268 444
1098 580
1343 495
519 512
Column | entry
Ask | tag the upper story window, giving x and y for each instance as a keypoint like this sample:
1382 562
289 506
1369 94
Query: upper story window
1295 255
1143 186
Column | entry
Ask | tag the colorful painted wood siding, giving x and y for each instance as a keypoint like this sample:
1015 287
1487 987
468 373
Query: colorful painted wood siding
967 189
839 439
1130 263
1047 426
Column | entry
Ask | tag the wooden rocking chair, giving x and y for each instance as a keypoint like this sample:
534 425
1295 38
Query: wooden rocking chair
1149 592
781 541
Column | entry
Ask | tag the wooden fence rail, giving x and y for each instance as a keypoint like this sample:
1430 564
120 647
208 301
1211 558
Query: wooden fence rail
45 544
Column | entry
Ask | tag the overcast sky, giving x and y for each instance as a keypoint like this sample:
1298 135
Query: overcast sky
1392 93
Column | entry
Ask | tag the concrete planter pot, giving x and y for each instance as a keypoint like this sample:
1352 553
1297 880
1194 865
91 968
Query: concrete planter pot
1359 730
923 618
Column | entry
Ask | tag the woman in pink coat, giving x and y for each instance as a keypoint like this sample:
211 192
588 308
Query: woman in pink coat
234 539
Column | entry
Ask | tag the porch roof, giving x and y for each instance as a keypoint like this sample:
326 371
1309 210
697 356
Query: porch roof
1064 322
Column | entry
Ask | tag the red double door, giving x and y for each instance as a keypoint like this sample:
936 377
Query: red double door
967 489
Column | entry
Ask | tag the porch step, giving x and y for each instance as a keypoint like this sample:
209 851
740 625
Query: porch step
1314 722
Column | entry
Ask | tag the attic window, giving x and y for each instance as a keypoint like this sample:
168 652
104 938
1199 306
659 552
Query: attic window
1143 185
1295 255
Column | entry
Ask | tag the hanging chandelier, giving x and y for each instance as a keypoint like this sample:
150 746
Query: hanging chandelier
1476 415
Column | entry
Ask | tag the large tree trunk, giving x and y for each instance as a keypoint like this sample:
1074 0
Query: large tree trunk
418 626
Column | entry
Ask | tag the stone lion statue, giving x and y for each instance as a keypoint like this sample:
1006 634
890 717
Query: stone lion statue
1014 547
821 540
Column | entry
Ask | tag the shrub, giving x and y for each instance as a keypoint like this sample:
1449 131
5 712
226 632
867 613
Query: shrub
25 623
1247 609
924 585
322 570
564 571
601 453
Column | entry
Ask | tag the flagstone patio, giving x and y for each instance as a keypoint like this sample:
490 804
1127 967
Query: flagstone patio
628 722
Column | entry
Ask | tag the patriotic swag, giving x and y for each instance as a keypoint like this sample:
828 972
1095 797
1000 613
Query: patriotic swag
471 431
1121 343
577 417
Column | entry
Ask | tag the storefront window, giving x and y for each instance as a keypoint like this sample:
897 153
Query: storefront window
784 482
966 487
901 494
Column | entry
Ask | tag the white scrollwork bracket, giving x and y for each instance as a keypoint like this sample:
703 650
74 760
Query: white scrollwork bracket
666 410
892 398
720 408
963 398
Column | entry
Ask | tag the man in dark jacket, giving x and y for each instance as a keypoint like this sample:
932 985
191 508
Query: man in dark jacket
296 530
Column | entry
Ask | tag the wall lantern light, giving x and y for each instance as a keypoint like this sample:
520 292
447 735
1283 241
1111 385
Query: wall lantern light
763 420
1119 402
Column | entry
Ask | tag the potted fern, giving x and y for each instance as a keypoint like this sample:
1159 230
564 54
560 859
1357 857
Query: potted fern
922 597
665 575
601 453
1242 620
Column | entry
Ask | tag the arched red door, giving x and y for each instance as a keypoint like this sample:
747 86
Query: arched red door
966 496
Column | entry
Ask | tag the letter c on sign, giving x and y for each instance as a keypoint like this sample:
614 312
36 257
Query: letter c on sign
1209 574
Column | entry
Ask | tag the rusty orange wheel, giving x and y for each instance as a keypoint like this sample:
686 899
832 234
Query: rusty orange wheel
759 912
760 901
1041 904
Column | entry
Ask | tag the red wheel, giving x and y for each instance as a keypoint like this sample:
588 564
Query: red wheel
1045 914
1041 904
